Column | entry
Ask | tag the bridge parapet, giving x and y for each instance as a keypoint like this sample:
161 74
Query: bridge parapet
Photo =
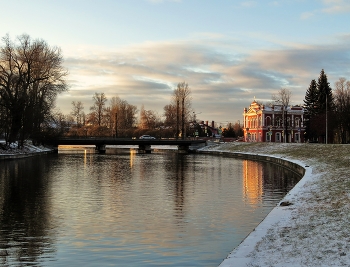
184 146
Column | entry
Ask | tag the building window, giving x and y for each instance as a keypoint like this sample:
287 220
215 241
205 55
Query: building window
278 137
297 137
267 120
297 122
278 122
268 137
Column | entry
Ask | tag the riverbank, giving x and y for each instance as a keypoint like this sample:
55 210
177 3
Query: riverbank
312 228
28 150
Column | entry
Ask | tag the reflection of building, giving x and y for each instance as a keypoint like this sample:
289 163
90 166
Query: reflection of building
267 124
252 181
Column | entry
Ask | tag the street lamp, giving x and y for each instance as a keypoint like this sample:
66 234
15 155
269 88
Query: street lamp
116 124
326 120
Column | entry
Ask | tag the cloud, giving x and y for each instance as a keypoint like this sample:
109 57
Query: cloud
223 78
336 6
307 15
162 1
331 7
249 4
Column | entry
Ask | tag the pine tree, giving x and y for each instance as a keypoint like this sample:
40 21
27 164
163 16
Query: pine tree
310 107
311 99
318 112
325 96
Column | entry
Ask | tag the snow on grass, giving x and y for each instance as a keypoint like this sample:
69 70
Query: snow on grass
28 147
314 230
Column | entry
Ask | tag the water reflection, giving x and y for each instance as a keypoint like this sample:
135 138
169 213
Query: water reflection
25 225
252 181
262 181
129 209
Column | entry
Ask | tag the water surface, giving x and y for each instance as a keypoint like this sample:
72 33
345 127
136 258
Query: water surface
78 208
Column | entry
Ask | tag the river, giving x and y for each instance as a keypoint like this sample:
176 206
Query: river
78 208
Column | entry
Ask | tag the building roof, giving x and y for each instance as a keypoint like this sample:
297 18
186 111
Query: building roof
255 108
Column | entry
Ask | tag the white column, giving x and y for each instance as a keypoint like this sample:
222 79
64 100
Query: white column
263 119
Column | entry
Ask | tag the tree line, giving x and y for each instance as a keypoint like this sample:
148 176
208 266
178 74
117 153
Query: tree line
115 117
327 111
32 76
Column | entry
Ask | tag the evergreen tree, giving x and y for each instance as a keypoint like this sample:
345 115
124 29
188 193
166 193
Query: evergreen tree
325 108
311 99
229 131
319 106
310 110
325 96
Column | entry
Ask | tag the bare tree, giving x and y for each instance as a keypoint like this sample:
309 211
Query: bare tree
170 115
78 112
149 119
98 109
282 98
130 116
182 101
123 115
31 76
342 108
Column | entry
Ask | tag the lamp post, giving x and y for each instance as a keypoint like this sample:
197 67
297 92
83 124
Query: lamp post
326 120
116 125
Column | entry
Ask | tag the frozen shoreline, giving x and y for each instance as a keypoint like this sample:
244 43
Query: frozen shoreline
313 230
28 150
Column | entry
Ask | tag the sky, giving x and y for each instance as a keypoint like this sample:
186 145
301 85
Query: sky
229 52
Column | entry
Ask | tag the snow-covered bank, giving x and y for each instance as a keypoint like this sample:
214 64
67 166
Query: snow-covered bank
313 230
28 150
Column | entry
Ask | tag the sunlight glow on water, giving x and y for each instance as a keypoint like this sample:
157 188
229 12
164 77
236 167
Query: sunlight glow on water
128 209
